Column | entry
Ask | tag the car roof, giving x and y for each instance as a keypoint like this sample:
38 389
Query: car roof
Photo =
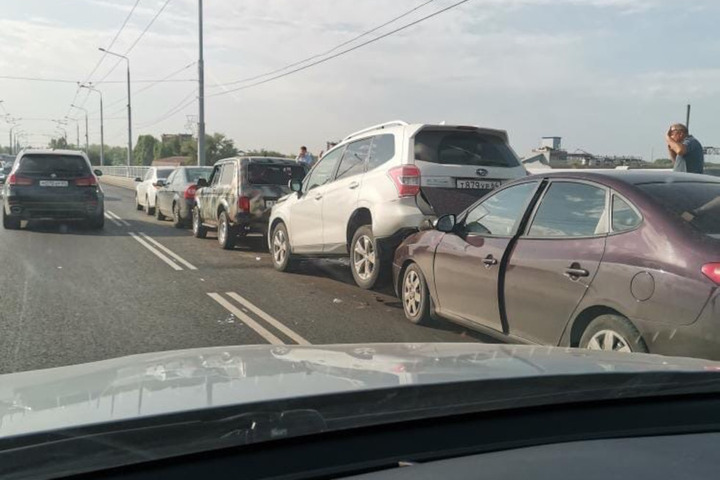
50 151
630 177
399 125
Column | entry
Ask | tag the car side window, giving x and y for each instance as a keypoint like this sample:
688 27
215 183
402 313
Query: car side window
171 177
570 209
323 171
215 176
149 174
381 150
228 172
624 217
353 161
501 213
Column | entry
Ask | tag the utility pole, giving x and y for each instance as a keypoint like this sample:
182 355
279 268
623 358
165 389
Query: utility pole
687 117
87 139
129 104
201 89
102 125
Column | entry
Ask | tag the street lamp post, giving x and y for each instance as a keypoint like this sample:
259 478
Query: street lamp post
102 126
129 104
77 130
87 139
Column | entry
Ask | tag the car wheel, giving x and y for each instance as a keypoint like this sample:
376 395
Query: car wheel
613 333
199 230
148 210
415 295
158 213
97 223
280 248
10 222
226 233
176 219
137 202
365 258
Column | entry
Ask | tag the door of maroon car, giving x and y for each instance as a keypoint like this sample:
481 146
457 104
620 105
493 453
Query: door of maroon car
554 262
467 263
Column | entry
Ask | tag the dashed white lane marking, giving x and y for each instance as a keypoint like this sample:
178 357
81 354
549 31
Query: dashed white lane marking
162 247
259 329
154 250
116 217
112 220
268 318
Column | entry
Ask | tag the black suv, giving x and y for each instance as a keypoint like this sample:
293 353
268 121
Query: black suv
52 185
238 196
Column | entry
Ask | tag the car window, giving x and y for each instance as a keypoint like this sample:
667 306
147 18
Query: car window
451 147
274 174
570 210
164 173
500 214
381 150
227 174
624 217
353 160
323 171
149 174
215 177
171 177
192 175
697 203
39 164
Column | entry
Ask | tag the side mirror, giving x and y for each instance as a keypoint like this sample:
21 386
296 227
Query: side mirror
159 182
98 173
138 179
446 223
201 182
295 186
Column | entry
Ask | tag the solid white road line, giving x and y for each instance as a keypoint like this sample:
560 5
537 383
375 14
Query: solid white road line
162 257
269 319
112 219
262 331
177 257
116 217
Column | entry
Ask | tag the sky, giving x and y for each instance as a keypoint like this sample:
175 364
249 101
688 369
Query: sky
608 76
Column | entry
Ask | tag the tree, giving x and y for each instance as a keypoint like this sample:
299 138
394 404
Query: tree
169 148
58 143
113 155
266 153
217 147
663 162
144 151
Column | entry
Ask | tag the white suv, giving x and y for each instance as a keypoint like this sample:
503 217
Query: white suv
373 189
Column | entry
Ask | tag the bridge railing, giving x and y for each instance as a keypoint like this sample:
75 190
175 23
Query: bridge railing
122 171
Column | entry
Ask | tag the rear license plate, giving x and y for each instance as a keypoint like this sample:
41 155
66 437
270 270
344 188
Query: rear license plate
477 184
53 183
270 203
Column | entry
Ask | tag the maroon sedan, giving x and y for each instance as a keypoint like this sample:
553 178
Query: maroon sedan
626 261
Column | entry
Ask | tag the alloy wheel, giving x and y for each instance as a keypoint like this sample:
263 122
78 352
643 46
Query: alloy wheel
364 257
609 340
222 232
279 246
412 293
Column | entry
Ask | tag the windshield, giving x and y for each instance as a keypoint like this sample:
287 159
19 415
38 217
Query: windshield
230 207
695 202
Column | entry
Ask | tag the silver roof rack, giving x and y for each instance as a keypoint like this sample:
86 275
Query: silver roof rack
393 123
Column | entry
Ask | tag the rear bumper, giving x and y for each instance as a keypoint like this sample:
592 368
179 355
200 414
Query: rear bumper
185 209
248 223
27 210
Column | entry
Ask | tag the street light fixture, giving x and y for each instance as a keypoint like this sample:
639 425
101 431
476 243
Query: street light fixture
102 126
129 107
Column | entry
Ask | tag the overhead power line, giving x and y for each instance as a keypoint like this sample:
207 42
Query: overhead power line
173 111
106 82
327 52
342 52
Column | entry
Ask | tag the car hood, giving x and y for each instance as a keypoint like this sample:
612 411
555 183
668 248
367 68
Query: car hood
176 381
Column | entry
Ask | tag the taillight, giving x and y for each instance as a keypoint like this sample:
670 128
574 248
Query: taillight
90 181
244 204
406 179
190 192
18 180
712 271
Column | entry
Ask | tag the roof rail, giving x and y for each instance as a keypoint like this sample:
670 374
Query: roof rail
393 123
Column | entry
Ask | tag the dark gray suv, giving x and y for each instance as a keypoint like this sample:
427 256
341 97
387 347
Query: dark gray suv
239 195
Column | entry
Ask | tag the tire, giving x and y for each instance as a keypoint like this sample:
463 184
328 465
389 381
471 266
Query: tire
148 211
199 230
415 295
158 213
138 207
613 333
97 223
226 234
280 248
176 220
10 222
366 259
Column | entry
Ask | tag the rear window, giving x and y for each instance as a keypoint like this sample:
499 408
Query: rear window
164 173
463 148
38 164
696 203
266 174
195 174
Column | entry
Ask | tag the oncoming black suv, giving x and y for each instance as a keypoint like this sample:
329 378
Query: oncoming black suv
239 195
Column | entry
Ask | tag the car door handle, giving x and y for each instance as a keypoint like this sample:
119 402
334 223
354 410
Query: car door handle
489 261
318 196
576 272
354 185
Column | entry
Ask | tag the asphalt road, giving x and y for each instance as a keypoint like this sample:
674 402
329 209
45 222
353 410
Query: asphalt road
69 295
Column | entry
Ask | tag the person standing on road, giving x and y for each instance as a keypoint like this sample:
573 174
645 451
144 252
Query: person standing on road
684 149
305 157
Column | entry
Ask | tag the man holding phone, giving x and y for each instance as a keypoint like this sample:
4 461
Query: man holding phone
684 149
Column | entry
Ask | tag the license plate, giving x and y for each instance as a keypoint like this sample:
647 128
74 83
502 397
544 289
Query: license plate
53 183
270 203
477 184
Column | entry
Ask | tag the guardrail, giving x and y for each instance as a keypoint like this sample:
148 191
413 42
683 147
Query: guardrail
129 172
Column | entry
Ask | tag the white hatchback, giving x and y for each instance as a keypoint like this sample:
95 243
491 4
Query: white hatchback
146 189
368 193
